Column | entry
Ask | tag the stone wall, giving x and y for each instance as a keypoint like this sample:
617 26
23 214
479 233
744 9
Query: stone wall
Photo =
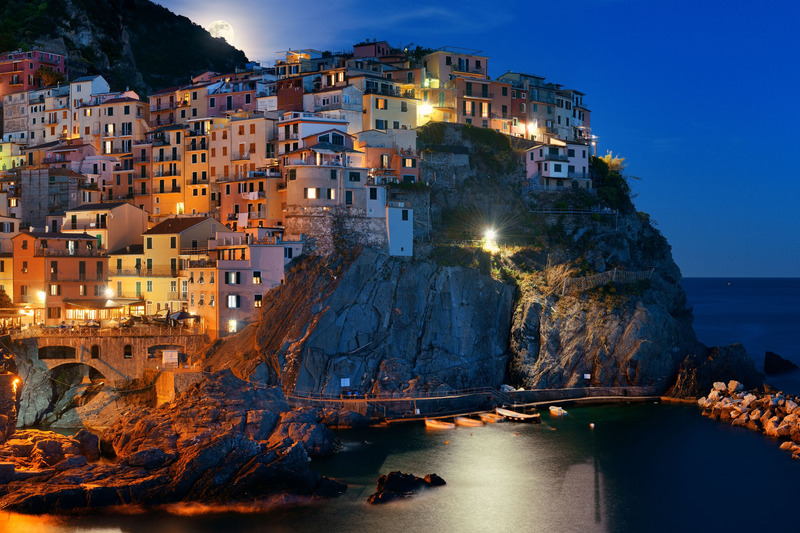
324 226
171 383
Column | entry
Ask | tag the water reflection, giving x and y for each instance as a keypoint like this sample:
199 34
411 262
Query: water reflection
642 468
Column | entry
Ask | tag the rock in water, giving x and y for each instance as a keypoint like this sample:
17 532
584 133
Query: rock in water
775 364
396 485
699 373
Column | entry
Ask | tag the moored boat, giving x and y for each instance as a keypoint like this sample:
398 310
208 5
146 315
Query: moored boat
437 423
466 421
491 418
517 416
557 411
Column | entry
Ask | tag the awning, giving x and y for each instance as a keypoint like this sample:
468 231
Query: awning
101 303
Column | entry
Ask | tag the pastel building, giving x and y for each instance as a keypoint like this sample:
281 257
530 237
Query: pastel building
57 274
18 69
559 165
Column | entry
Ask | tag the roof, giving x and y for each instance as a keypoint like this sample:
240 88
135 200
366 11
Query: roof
95 207
121 99
175 225
87 78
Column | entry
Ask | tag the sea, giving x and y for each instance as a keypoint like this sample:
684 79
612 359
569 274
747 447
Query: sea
648 467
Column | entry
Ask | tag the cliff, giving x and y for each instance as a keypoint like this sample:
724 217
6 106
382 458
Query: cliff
132 43
458 316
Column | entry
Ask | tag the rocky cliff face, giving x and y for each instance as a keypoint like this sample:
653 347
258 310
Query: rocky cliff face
394 326
389 326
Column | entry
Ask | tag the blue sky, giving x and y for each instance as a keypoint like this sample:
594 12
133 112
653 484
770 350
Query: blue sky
700 97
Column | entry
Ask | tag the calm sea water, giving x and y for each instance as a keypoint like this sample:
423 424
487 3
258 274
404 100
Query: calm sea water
644 467
761 313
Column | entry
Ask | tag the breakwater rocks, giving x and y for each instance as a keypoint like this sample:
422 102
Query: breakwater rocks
223 441
775 414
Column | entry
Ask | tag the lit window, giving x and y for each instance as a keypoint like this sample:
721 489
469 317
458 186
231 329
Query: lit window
258 301
256 277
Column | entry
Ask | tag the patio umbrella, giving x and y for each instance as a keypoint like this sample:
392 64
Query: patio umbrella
181 315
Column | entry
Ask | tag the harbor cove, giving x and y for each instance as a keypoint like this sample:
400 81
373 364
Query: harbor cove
373 284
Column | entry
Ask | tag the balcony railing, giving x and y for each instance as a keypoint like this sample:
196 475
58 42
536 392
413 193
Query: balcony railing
244 156
473 94
167 190
54 252
167 173
555 157
383 91
166 158
255 195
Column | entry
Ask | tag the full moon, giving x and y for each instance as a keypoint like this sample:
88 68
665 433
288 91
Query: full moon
221 28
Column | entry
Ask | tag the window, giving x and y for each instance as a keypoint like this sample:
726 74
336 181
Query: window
381 103
373 193
404 106
571 152
404 214
293 174
233 278
149 285
348 197
331 194
354 176
233 301
381 124
409 162
504 91
55 289
256 277
333 174
149 243
257 300
128 351
556 167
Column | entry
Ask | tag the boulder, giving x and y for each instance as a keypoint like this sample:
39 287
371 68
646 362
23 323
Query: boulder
720 386
396 485
734 386
89 444
775 364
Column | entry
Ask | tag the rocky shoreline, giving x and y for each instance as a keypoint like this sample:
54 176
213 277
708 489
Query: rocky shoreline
772 413
223 441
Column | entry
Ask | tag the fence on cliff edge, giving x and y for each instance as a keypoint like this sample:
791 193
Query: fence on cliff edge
586 283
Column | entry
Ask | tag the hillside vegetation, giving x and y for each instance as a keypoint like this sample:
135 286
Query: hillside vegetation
132 43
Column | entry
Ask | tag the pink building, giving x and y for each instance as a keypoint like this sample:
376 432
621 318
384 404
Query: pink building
18 69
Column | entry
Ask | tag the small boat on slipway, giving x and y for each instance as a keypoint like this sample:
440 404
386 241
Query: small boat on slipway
517 416
467 421
436 423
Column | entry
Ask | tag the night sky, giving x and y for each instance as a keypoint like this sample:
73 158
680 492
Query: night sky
700 97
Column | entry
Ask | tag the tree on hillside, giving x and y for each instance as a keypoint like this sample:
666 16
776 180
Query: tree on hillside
49 76
615 163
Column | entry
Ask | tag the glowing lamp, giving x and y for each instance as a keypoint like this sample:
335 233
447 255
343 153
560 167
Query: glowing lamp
490 234
109 292
425 109
42 295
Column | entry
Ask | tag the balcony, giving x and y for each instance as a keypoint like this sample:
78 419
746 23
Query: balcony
167 190
166 158
555 157
197 146
167 172
471 94
53 252
141 158
244 156
383 91
255 195
120 151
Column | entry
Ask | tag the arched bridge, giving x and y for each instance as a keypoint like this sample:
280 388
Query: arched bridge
118 354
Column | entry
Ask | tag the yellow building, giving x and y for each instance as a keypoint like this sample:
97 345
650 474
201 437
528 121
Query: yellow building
163 245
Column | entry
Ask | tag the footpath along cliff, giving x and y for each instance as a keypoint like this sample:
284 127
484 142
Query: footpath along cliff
461 315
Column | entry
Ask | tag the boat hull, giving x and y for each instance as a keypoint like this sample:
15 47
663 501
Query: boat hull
516 416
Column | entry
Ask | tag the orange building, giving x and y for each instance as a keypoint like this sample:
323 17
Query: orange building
59 277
